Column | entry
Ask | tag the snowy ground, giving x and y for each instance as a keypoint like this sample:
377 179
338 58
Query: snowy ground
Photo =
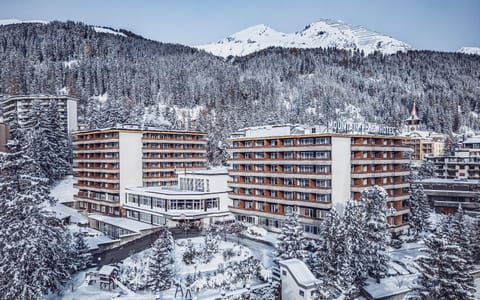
259 233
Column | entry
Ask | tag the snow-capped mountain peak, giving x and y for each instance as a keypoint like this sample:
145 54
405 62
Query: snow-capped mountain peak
323 33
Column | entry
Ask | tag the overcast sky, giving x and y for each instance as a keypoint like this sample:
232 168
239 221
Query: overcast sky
424 24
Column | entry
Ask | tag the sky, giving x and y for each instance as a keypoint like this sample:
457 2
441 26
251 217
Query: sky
424 24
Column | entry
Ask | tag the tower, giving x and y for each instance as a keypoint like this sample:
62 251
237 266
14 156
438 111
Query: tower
413 121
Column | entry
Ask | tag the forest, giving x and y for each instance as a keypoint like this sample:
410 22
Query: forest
129 79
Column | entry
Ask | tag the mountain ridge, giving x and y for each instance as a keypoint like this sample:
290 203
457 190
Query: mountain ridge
324 33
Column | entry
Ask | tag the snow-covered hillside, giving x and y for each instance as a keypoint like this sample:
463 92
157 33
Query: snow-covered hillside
324 33
470 50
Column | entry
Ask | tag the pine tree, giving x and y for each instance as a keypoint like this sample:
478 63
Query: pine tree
35 249
291 243
83 257
355 242
443 273
376 228
160 274
419 209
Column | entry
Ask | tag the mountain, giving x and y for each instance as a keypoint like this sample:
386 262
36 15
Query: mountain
16 21
129 79
321 34
469 50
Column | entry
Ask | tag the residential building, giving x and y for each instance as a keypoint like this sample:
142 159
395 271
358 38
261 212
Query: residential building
200 197
464 163
20 106
4 136
447 194
277 169
106 161
298 282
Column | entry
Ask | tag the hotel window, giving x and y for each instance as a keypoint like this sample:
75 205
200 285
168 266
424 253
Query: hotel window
248 143
303 182
259 143
288 195
145 217
288 181
303 196
321 213
158 220
322 154
274 180
306 141
273 155
307 155
323 183
322 140
322 197
248 191
274 208
259 192
248 168
261 206
288 142
258 179
273 194
259 168
133 198
287 155
274 168
144 200
288 168
248 155
322 169
273 142
236 155
248 204
235 144
236 203
307 212
260 155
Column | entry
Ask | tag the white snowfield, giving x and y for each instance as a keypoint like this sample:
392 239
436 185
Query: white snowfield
321 34
17 21
106 30
469 50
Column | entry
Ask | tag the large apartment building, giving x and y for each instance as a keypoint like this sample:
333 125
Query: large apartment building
20 106
276 169
107 161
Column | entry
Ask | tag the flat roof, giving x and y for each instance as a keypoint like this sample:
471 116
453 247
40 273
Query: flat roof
448 180
136 128
125 223
307 135
33 97
170 190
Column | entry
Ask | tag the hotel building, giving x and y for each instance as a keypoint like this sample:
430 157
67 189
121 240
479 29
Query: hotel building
200 197
21 106
276 169
106 161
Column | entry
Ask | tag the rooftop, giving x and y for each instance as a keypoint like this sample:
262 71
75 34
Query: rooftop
300 272
137 127
447 180
472 140
170 190
33 97
128 224
213 171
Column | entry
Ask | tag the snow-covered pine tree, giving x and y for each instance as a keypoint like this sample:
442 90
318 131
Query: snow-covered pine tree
83 257
329 257
377 235
443 273
291 242
58 137
459 233
160 273
35 249
419 209
355 241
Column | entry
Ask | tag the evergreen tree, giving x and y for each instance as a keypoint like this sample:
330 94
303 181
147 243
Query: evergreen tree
83 257
35 249
291 243
376 228
160 274
443 273
419 209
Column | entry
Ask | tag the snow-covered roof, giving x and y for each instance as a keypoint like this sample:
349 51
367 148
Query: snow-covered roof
171 190
138 127
106 270
447 180
300 272
125 223
472 140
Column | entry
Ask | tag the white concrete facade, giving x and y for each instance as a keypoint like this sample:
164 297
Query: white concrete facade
201 196
130 152
341 171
